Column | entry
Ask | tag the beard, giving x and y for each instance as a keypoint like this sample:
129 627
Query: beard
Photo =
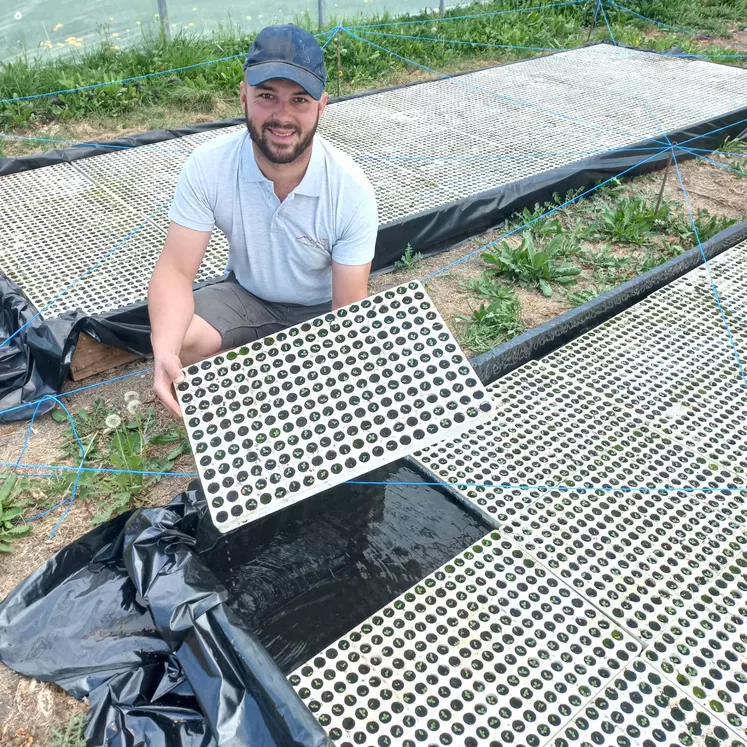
278 154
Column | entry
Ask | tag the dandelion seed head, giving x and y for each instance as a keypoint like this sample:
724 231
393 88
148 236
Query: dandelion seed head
113 421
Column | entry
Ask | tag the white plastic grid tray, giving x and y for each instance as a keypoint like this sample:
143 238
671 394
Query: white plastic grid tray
287 416
489 649
422 147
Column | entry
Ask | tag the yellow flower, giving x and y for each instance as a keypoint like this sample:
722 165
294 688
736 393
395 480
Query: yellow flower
248 18
340 73
60 44
194 8
115 34
137 22
57 27
190 24
110 18
115 46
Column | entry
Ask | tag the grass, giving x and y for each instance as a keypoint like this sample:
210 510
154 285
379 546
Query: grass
129 438
71 734
362 64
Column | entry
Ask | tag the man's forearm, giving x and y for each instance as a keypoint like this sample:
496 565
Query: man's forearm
171 308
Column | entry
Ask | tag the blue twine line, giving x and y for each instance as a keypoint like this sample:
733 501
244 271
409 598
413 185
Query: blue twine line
121 81
104 470
596 16
724 320
91 269
667 25
408 159
716 163
562 488
493 94
712 132
490 485
462 18
76 391
606 22
150 148
469 43
540 217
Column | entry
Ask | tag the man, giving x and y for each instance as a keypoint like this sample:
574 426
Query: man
300 218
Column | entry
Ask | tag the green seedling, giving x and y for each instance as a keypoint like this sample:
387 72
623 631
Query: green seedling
11 527
409 260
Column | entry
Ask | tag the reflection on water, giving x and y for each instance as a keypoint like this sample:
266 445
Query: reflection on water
303 577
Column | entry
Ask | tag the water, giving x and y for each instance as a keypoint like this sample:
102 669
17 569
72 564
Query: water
303 577
49 28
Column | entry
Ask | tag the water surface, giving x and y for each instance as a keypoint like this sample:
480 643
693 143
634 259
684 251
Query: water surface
303 577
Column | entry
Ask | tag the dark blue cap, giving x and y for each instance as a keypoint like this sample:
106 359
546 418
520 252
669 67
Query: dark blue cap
287 52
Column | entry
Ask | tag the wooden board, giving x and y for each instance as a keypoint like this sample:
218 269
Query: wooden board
92 357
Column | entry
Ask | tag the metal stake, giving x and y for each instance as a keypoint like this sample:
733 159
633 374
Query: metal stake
322 13
441 7
163 14
339 64
664 182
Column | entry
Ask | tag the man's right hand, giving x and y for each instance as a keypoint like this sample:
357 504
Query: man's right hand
167 373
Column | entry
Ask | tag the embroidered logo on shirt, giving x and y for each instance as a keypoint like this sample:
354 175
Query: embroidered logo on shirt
310 243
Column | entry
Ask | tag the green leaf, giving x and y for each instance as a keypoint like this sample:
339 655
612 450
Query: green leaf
165 438
7 488
545 288
59 415
19 530
5 547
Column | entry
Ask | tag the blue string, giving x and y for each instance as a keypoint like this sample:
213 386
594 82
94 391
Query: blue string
469 43
461 18
716 163
712 132
540 217
76 391
493 94
667 25
91 269
150 148
565 488
596 16
119 82
99 470
408 159
724 320
606 22
490 485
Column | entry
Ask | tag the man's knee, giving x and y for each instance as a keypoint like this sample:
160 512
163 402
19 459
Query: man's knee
201 341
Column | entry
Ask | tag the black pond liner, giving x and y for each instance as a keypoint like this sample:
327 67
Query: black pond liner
181 636
38 359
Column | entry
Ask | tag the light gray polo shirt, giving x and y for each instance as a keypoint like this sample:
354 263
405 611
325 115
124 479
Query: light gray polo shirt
281 252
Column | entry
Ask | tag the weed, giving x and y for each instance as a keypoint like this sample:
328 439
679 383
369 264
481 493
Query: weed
127 443
632 220
603 259
490 325
709 225
488 287
531 266
71 734
579 297
409 260
10 513
192 99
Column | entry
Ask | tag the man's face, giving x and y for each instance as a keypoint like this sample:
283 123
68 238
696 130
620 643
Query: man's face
281 118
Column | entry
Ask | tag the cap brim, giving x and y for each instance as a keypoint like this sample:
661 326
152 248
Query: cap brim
264 71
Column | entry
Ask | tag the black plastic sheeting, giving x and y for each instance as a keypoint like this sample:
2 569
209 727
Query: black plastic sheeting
44 349
183 637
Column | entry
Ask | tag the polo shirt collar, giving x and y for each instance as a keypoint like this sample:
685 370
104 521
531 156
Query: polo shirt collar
310 185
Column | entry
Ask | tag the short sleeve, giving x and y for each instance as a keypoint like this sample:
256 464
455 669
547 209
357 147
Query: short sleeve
192 206
357 243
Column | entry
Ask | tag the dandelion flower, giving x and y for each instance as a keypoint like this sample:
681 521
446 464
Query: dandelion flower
57 27
248 18
18 15
115 34
115 46
113 421
60 44
133 406
194 8
190 24
132 394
